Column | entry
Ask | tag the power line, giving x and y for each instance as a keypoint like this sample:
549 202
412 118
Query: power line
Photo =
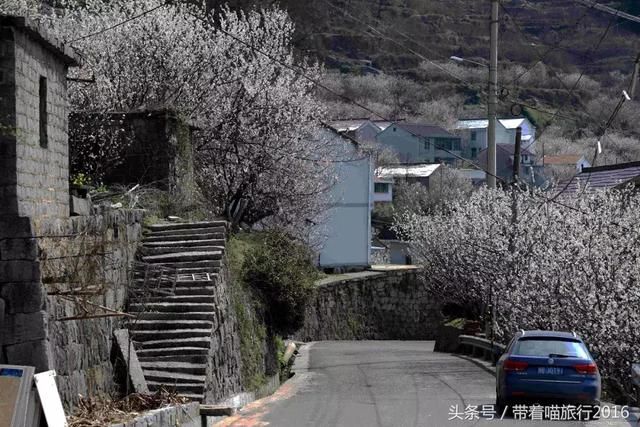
569 91
126 21
546 200
300 71
610 10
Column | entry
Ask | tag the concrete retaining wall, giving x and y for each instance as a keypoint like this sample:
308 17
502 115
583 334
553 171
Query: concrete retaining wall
371 305
174 416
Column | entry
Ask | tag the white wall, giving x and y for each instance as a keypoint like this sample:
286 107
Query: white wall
345 236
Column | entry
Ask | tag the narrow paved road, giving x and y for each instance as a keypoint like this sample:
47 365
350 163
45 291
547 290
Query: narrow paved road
382 383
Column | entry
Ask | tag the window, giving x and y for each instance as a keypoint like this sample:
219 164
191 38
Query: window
426 144
474 152
474 135
42 92
448 144
544 347
381 187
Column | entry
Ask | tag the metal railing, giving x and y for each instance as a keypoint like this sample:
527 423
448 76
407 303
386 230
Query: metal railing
480 347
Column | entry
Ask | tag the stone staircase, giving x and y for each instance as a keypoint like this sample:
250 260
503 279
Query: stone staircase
173 299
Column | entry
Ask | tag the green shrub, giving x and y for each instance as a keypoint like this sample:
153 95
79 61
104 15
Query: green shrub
280 270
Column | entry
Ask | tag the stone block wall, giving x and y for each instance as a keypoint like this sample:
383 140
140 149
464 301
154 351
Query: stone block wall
151 147
23 318
224 367
37 180
44 265
42 173
87 258
374 306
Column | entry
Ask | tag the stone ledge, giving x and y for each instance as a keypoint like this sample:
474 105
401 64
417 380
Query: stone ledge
187 415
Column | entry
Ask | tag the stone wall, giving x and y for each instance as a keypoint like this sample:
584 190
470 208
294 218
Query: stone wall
88 259
23 318
46 264
36 183
223 369
372 305
150 147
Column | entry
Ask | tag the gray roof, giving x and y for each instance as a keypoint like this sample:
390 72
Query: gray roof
426 131
38 33
603 177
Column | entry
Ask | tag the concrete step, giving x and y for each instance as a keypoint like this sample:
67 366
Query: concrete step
169 290
186 225
184 243
181 307
180 298
186 231
182 289
172 377
201 342
164 250
141 336
190 388
140 276
167 315
175 367
182 267
139 284
150 325
177 257
185 358
196 237
199 270
172 351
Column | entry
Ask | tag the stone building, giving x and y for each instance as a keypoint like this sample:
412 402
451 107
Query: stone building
34 178
33 111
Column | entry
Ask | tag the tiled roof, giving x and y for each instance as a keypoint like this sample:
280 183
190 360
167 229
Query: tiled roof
564 159
603 177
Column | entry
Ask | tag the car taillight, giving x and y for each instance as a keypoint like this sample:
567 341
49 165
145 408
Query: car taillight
514 365
590 368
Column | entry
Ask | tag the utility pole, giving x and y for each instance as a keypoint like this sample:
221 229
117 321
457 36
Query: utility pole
634 78
516 155
493 96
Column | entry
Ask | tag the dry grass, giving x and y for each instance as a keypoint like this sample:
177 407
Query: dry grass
97 412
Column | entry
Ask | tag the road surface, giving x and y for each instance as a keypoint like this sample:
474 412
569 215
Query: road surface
384 383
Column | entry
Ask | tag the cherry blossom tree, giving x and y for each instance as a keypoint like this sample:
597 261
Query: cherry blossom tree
570 264
234 76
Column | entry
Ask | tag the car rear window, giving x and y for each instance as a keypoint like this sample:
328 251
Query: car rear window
544 347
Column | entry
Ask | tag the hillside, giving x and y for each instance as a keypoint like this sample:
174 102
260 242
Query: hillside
337 31
546 47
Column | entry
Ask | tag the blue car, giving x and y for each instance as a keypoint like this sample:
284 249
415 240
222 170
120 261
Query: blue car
547 367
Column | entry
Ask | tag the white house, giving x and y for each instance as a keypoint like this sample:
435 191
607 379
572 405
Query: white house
343 237
474 134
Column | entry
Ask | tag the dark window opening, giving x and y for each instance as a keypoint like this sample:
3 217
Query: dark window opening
44 138
380 187
473 135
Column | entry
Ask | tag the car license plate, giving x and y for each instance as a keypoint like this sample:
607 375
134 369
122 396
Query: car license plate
549 370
